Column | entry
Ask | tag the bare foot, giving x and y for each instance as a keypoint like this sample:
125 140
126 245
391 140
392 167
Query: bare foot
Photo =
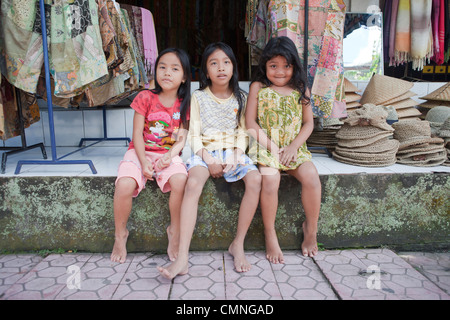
119 252
177 268
273 250
240 261
309 245
172 248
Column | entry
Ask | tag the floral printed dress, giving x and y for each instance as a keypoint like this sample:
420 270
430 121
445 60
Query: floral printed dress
281 118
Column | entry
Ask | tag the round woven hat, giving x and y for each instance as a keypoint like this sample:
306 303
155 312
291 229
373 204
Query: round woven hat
437 117
411 132
364 163
444 131
428 160
383 88
380 146
424 148
441 94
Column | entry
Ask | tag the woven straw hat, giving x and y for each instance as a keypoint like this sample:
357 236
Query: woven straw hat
369 115
365 163
406 103
437 117
444 131
424 148
352 97
408 112
412 132
383 88
434 103
427 160
350 87
441 94
382 145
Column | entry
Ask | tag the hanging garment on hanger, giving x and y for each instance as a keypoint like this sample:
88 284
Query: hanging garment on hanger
402 33
149 41
75 53
327 89
392 32
421 34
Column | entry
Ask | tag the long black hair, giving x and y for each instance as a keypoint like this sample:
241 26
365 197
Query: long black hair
285 47
234 81
184 91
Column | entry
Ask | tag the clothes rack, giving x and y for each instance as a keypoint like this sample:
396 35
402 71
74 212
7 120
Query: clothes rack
55 160
24 146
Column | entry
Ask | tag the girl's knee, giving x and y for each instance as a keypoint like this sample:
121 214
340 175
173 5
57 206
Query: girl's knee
125 186
253 181
178 182
270 183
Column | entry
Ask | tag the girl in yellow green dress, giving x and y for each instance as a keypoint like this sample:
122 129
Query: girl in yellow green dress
279 117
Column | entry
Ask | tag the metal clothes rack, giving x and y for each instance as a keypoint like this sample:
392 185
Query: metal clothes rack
24 146
55 160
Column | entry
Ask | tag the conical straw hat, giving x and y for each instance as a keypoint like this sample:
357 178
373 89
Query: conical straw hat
404 96
351 97
406 103
350 87
408 112
441 94
384 88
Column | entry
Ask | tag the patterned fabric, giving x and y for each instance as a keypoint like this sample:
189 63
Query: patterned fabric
326 19
329 74
9 120
231 176
281 118
75 53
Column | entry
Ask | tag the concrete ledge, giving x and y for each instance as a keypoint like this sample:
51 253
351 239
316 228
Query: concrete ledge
358 210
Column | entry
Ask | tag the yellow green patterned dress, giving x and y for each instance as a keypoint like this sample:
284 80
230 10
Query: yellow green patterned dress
281 118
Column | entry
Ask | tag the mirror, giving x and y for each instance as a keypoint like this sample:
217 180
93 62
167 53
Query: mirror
363 45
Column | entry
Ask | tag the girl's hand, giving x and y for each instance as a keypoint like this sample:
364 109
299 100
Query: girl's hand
215 166
233 160
147 170
164 162
215 169
287 155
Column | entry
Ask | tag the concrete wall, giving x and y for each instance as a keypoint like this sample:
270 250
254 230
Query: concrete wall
358 210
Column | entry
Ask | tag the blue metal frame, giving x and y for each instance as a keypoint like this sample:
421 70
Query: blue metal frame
105 134
55 160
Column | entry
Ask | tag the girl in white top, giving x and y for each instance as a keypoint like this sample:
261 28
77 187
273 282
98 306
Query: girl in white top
218 139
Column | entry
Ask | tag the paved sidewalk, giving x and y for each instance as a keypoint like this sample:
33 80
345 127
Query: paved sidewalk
333 275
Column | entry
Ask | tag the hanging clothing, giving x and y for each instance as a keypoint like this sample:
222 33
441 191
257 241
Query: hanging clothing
421 33
9 111
75 51
149 42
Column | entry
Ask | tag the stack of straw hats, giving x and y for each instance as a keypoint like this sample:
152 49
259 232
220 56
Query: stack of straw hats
365 138
326 137
352 96
444 133
417 147
439 97
393 92
439 118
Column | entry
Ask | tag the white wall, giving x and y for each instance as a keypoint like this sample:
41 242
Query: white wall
72 125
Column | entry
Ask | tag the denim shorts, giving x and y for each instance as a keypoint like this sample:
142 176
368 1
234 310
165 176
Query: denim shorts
241 169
